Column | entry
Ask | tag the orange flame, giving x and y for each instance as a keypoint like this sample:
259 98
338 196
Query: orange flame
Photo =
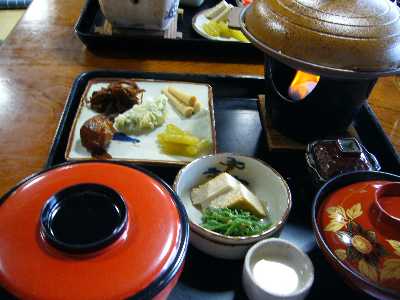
302 85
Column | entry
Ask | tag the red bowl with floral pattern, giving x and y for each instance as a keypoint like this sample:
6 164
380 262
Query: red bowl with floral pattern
356 221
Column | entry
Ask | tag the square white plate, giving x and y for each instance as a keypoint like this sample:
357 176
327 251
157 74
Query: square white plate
147 151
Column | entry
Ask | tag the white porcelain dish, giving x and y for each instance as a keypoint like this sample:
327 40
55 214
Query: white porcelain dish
147 151
270 188
144 14
198 22
282 262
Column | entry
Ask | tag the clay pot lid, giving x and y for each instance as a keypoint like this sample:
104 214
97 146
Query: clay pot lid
353 38
359 224
93 230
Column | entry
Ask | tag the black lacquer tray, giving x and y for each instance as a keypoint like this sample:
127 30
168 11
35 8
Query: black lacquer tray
239 130
191 44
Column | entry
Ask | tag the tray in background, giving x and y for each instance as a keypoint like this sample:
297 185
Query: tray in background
190 43
239 130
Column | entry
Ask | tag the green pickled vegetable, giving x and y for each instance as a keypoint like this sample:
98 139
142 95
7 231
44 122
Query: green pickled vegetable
233 222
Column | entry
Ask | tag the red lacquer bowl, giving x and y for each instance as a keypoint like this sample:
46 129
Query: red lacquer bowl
91 230
356 220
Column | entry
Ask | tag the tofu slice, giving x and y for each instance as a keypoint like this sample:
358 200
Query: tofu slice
205 193
240 197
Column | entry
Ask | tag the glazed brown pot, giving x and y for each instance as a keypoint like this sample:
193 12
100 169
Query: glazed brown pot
344 38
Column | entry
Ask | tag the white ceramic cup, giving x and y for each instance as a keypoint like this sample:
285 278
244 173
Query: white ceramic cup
142 14
290 258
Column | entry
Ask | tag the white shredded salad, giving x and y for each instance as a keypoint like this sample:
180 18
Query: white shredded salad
145 116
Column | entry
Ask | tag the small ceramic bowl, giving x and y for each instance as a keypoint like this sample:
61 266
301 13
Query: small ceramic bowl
277 269
266 183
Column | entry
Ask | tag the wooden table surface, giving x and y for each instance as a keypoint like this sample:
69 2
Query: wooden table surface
41 58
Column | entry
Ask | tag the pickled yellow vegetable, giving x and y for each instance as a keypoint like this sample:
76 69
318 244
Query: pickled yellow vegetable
221 29
212 28
179 139
237 34
176 141
171 128
175 149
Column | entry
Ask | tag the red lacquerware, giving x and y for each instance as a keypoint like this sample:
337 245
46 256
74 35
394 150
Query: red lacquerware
93 230
356 219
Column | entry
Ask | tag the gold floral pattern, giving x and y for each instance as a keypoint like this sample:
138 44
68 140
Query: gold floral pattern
341 217
368 270
361 244
391 269
395 245
362 248
341 254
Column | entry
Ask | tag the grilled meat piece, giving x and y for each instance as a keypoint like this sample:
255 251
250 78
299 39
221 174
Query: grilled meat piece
116 98
96 134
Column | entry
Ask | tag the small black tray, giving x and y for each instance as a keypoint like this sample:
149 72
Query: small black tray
239 130
190 44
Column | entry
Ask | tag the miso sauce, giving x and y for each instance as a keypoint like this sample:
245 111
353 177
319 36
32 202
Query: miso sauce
275 277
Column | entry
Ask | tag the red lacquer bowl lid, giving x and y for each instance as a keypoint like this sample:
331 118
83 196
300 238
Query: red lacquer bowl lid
359 225
92 230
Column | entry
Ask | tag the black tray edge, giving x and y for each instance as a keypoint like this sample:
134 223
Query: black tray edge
368 116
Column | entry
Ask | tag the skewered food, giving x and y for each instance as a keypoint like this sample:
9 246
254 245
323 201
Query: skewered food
117 98
184 103
96 134
147 115
182 96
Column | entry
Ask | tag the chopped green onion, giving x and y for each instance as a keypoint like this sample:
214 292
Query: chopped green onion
233 222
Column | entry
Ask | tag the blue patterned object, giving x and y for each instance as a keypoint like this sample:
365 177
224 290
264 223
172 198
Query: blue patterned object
14 4
230 164
172 10
122 137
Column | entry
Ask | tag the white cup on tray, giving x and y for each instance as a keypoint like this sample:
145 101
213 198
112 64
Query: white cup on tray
140 14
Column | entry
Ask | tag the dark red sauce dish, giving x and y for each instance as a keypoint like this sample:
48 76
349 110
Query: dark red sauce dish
329 158
92 230
356 222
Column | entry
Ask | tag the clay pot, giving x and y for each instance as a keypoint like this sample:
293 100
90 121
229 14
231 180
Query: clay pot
353 38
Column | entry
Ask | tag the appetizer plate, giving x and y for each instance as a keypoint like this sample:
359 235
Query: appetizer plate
147 150
198 22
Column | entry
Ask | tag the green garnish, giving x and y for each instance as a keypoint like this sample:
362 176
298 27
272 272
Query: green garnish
233 222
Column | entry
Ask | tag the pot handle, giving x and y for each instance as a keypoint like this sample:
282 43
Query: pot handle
234 17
